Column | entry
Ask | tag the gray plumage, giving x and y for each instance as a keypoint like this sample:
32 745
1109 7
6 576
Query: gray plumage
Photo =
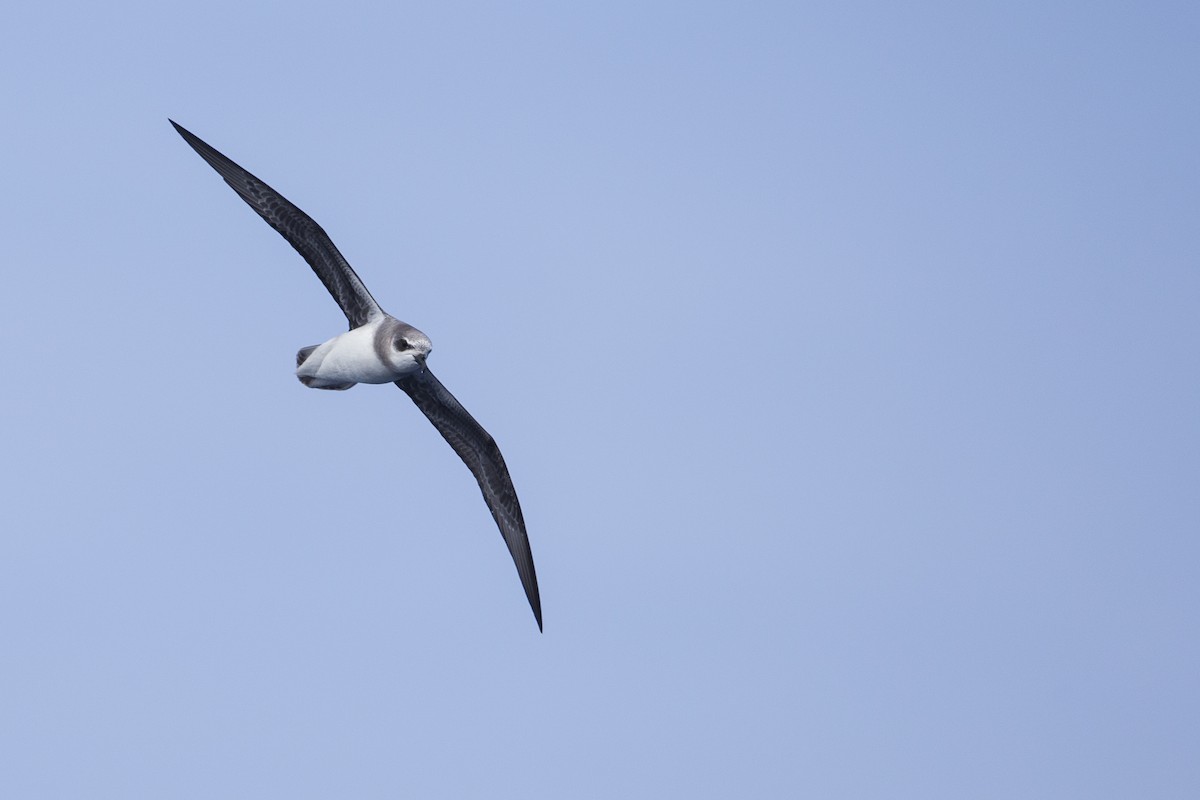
379 348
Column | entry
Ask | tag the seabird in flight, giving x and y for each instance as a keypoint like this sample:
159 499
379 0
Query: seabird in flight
379 348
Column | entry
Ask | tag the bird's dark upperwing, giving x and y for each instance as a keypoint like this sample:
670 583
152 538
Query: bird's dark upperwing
479 452
309 239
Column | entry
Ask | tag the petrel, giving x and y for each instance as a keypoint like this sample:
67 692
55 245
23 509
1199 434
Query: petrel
379 348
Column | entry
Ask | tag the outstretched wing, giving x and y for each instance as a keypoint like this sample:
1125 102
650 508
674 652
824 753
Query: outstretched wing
479 452
309 239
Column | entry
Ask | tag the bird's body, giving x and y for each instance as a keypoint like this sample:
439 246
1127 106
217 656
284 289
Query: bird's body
379 348
383 350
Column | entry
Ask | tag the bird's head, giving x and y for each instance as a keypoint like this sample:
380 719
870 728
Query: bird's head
403 346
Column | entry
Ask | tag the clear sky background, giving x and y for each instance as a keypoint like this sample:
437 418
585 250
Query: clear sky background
844 356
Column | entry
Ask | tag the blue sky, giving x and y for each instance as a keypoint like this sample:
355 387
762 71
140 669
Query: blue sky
844 357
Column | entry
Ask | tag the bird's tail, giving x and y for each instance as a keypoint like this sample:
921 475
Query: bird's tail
304 353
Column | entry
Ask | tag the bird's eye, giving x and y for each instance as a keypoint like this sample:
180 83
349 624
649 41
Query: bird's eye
402 344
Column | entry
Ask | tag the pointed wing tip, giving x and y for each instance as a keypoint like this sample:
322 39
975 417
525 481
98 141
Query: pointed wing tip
188 136
529 583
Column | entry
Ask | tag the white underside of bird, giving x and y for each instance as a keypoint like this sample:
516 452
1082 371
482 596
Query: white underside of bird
381 351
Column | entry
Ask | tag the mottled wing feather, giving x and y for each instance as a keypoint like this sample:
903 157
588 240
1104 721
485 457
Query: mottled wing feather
479 452
302 233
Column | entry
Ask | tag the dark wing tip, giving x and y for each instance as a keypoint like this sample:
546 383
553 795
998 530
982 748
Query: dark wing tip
188 136
532 593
